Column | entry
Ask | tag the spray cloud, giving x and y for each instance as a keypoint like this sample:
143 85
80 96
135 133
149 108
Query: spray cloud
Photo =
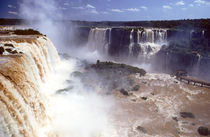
79 112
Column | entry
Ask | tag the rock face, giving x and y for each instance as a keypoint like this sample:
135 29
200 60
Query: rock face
187 115
204 131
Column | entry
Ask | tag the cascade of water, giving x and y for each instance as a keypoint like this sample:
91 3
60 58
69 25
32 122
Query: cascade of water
203 33
139 33
149 35
109 41
131 42
97 39
191 34
197 65
150 41
147 41
160 36
22 105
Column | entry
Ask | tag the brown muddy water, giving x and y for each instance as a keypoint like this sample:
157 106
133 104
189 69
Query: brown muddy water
161 107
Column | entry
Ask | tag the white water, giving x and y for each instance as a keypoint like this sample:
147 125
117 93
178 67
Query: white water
97 40
23 107
150 41
79 112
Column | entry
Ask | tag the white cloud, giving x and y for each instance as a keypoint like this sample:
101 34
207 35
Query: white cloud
90 6
78 8
104 12
133 9
191 5
66 4
94 11
117 10
144 7
62 8
11 6
201 2
12 12
180 3
167 7
88 9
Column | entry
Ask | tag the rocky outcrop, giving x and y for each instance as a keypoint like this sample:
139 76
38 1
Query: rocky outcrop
204 131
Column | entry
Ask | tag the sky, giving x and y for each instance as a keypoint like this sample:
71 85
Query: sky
120 10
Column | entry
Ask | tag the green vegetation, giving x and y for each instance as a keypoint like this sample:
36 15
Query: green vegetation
27 32
173 24
11 21
118 68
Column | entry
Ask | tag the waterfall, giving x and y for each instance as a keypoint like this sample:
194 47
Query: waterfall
196 67
98 39
150 41
138 41
191 34
131 42
25 63
203 33
149 35
160 36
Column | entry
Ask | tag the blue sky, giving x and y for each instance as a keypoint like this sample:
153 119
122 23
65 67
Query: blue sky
120 10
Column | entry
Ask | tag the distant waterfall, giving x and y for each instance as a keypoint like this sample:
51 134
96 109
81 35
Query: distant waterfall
24 65
99 39
141 41
150 41
131 42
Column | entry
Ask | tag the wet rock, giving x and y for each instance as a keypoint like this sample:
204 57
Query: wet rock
8 45
64 90
8 50
144 82
134 100
141 129
14 52
136 88
175 119
187 115
124 92
204 131
77 74
1 50
69 81
144 98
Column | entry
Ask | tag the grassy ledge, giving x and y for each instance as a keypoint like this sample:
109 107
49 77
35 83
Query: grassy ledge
118 68
27 32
